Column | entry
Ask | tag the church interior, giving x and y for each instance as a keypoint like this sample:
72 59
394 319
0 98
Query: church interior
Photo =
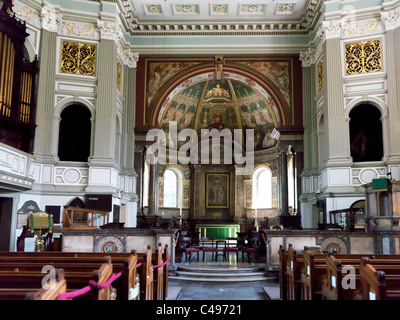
185 139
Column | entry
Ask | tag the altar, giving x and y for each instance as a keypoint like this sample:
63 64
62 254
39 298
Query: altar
218 231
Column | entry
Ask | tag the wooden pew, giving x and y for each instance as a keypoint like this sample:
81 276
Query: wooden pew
32 287
293 274
332 288
314 270
13 281
283 257
78 272
119 263
377 284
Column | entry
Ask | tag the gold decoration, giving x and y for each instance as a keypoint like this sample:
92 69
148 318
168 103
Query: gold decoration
363 57
78 58
119 76
320 75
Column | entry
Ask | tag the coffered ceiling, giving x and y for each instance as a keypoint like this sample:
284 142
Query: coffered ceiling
183 16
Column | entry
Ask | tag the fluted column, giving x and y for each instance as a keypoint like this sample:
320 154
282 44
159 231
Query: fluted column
105 126
45 138
310 141
127 162
391 20
336 125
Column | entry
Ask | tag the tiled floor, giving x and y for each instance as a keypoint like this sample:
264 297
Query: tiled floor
192 290
222 291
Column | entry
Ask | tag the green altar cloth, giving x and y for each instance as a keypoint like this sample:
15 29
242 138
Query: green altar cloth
218 231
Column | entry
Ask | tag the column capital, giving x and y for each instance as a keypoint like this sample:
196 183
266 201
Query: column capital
391 19
129 58
50 18
309 57
331 29
109 30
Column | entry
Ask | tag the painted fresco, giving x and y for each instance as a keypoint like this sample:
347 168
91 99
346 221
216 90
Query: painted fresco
158 73
220 104
276 71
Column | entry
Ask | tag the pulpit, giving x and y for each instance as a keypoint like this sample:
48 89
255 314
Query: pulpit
382 204
82 218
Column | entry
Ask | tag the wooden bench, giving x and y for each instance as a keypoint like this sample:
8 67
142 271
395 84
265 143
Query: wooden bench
314 269
304 276
294 265
377 284
283 257
126 263
31 288
11 281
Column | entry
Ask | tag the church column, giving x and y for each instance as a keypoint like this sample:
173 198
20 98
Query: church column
153 185
104 141
391 20
283 183
103 168
129 59
46 142
336 125
309 72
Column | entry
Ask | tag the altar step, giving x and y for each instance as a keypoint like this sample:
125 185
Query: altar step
216 273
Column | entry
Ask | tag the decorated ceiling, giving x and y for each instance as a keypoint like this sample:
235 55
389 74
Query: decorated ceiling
229 93
220 104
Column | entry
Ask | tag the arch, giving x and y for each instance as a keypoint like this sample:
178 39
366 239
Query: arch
206 72
366 135
262 187
75 134
29 48
380 104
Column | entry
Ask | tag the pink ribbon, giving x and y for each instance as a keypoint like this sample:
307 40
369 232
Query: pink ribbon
92 284
161 265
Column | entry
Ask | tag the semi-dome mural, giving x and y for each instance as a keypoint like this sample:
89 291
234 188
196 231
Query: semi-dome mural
220 104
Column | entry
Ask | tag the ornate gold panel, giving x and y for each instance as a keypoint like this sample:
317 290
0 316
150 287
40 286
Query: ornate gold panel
78 58
119 76
320 75
363 57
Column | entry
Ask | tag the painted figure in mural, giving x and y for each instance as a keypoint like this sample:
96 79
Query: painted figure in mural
188 117
248 120
265 112
218 122
170 116
180 112
258 117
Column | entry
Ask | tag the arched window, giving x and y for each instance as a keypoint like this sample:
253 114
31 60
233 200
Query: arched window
173 188
75 134
262 188
366 143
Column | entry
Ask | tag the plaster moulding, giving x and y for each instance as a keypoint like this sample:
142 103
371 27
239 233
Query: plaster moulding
391 19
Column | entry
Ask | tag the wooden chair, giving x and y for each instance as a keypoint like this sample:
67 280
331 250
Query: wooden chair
228 248
190 249
212 249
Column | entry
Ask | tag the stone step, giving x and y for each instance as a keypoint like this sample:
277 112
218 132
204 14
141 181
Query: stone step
205 269
223 279
220 275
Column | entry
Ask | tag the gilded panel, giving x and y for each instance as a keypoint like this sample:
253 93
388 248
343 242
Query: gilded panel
78 58
363 57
